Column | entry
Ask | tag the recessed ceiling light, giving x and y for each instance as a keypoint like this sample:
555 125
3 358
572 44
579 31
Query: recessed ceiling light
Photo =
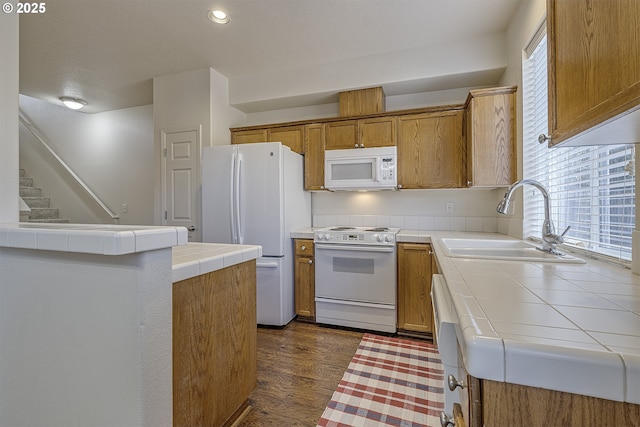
73 103
218 16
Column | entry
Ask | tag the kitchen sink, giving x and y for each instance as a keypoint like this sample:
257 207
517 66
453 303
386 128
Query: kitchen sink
499 249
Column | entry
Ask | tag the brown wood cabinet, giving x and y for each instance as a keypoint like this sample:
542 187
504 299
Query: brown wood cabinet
214 345
362 133
248 136
498 404
304 280
431 150
490 133
377 132
291 136
341 135
361 101
314 157
593 64
415 268
432 147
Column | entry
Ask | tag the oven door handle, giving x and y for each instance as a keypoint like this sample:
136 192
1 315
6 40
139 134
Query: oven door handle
387 249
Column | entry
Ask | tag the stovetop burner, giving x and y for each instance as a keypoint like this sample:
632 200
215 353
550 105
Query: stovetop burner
377 229
342 228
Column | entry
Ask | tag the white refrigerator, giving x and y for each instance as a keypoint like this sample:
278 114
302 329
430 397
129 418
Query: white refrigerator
253 194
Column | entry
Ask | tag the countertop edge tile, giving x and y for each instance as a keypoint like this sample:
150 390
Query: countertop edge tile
113 239
210 257
632 366
185 270
483 356
598 374
210 264
21 238
121 243
48 240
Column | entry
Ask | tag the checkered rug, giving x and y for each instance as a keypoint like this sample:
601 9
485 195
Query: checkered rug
389 382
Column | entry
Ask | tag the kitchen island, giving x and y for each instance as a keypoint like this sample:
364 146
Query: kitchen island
214 332
86 326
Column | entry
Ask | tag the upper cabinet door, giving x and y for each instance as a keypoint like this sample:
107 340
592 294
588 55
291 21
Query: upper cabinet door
594 63
291 136
377 132
490 130
341 135
249 136
431 150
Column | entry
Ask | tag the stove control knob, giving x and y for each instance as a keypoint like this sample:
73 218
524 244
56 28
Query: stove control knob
320 236
378 237
387 238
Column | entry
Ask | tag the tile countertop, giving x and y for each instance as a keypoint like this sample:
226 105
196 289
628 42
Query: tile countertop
566 327
194 259
103 239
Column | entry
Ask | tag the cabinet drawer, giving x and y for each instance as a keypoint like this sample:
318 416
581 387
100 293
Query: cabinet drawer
303 247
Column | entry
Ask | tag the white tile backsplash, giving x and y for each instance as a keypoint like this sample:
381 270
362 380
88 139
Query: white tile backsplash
411 222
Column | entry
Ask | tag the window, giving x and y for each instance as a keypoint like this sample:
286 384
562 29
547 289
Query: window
592 188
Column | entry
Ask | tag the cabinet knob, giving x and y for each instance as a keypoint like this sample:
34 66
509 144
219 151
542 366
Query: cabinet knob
303 248
399 186
453 382
446 420
469 183
355 145
430 252
361 145
310 261
542 138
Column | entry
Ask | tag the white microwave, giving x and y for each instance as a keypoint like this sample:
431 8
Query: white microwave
359 169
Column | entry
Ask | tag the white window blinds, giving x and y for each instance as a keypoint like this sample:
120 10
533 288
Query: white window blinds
592 188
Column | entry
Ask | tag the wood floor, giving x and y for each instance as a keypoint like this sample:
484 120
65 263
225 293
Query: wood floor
299 367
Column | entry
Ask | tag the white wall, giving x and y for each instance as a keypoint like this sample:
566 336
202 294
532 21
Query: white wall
86 339
190 100
223 116
9 34
423 69
112 152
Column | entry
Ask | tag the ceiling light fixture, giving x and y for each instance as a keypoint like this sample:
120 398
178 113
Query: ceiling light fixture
73 103
218 16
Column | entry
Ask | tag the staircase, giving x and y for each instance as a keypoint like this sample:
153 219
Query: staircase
40 206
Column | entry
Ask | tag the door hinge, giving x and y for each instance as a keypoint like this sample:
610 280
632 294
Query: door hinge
165 215
164 152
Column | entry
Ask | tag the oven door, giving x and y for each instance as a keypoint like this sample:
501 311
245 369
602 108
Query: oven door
356 273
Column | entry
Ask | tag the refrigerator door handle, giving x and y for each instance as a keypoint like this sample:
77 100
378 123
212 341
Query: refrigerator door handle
238 187
267 265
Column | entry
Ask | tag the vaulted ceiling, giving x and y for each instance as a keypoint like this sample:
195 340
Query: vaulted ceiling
108 51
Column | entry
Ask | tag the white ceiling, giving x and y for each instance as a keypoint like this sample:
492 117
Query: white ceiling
108 51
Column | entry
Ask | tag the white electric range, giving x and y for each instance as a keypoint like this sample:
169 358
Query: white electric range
356 277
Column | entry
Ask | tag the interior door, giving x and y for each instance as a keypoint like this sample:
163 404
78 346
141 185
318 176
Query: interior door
180 184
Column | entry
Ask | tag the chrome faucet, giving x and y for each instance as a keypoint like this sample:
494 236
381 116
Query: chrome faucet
549 237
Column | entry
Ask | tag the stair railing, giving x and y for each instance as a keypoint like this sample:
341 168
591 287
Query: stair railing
114 217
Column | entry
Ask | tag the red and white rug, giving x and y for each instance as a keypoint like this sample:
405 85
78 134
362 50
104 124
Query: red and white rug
389 382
